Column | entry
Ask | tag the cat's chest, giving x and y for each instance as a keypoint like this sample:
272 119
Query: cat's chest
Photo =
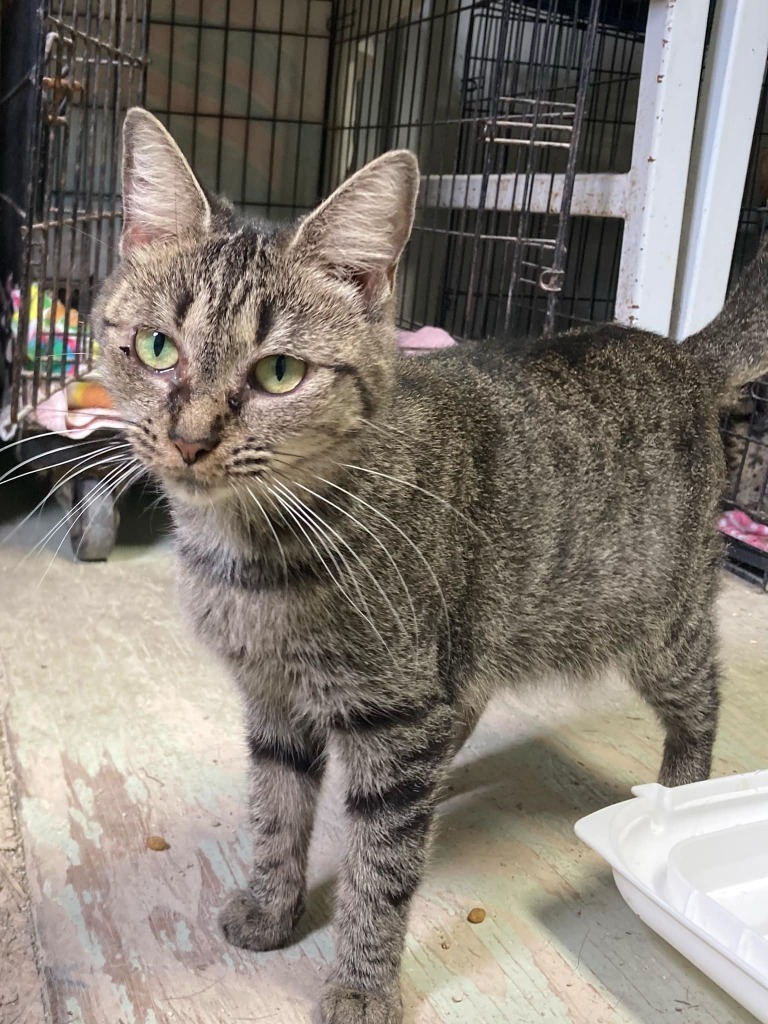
257 624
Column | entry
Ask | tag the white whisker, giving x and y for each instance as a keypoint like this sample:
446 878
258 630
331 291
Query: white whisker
67 478
8 478
65 432
383 547
274 532
329 545
103 484
415 487
387 428
351 550
408 540
129 474
339 586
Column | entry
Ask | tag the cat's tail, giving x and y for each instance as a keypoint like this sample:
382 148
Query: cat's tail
735 344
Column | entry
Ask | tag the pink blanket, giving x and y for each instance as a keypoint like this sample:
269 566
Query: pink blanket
415 343
55 415
735 523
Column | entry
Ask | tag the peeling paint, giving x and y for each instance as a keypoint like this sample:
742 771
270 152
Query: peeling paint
74 1014
126 1004
69 900
183 936
84 794
136 790
48 828
92 830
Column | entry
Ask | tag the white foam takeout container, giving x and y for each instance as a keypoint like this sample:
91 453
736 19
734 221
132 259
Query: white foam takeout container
692 862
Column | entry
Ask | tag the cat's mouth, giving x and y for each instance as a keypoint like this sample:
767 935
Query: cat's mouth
193 490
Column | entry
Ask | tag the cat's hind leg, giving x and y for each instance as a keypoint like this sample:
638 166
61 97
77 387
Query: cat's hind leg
680 681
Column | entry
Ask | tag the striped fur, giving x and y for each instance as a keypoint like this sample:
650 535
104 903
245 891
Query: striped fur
373 554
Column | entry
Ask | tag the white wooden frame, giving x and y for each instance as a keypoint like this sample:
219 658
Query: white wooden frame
719 160
656 183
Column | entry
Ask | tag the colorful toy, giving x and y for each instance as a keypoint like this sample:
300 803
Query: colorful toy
52 340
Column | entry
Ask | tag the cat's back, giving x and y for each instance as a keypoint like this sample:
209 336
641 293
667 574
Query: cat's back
604 426
611 369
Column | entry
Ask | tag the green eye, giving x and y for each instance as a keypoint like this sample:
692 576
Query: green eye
278 375
156 350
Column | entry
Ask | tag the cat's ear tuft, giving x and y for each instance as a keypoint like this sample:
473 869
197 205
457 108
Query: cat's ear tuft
162 199
359 232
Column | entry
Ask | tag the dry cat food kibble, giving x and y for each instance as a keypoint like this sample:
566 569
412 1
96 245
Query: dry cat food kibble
157 843
476 915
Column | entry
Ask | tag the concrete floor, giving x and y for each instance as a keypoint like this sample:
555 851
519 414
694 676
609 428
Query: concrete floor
118 727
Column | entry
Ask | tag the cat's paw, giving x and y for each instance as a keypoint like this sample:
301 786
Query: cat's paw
245 923
342 1005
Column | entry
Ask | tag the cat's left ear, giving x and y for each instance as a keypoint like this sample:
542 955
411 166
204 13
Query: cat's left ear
359 232
162 199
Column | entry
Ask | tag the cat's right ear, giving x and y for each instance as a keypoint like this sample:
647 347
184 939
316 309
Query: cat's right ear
162 199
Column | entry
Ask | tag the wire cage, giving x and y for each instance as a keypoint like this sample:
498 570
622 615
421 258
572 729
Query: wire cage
503 101
70 69
88 65
242 87
274 104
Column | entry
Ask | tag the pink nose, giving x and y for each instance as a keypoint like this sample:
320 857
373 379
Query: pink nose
192 450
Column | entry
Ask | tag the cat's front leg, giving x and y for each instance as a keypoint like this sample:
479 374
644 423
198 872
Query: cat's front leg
286 771
393 773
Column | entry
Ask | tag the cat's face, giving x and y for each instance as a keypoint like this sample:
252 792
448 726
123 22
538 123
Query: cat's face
229 347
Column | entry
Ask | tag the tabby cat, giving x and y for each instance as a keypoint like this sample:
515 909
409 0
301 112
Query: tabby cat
373 544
